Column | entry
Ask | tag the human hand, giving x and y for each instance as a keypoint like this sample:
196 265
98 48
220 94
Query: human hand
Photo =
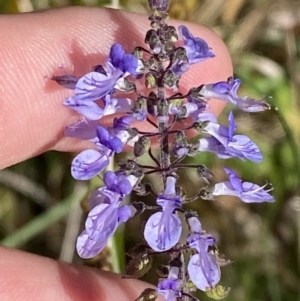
33 119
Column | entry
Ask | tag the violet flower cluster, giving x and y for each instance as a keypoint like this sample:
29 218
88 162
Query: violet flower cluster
97 94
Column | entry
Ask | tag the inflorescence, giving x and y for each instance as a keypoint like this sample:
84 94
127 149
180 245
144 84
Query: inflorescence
97 95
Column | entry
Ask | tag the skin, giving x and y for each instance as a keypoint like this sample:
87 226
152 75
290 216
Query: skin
32 121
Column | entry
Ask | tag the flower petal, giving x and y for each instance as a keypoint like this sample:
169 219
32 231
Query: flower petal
204 271
162 233
93 86
88 247
88 164
88 109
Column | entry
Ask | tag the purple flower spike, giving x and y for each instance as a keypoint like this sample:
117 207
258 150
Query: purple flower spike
89 163
246 191
227 91
196 48
227 145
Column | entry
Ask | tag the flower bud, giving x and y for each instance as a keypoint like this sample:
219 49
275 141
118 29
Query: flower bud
171 80
138 266
171 34
127 164
195 93
149 294
143 188
204 174
152 104
180 54
180 146
138 52
153 41
206 194
141 146
150 80
132 132
193 150
200 125
218 292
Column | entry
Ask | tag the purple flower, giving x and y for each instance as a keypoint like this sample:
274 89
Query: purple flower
92 111
89 163
120 129
95 85
180 150
170 288
163 229
118 182
203 267
114 105
227 91
226 145
110 141
122 123
246 191
140 114
179 67
101 224
103 195
206 116
127 63
89 109
196 48
87 129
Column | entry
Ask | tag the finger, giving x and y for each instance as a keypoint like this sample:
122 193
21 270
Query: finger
29 277
32 117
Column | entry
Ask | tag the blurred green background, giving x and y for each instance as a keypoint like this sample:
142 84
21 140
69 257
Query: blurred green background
41 213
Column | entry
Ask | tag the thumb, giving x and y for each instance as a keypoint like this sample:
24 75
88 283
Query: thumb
30 277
